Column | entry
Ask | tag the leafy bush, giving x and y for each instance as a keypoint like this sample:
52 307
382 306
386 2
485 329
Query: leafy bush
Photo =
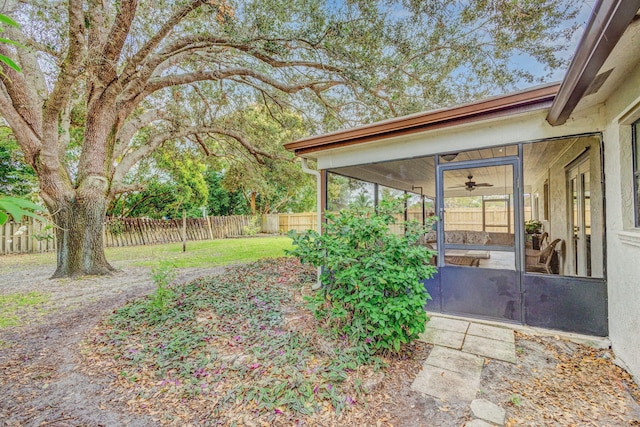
44 234
162 276
116 227
17 207
371 276
253 227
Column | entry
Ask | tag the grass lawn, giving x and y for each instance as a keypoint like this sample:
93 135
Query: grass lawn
199 254
12 304
203 253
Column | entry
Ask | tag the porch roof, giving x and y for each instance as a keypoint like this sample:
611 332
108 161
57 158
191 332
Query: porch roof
536 98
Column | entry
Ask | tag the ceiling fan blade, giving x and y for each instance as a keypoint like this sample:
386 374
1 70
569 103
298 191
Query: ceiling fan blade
483 184
458 186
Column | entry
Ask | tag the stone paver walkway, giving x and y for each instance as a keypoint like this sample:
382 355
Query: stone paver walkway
453 369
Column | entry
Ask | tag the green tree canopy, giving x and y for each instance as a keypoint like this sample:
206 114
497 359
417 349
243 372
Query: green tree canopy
107 83
16 177
278 183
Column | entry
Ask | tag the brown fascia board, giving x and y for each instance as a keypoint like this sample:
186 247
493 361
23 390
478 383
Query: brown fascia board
518 102
608 23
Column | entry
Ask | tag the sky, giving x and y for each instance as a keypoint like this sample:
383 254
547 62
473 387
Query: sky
582 19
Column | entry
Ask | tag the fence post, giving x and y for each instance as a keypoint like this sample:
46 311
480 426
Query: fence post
184 230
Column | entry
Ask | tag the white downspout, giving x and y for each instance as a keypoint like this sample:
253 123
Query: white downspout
305 169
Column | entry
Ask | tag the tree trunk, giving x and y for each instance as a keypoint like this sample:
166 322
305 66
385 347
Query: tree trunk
80 246
253 203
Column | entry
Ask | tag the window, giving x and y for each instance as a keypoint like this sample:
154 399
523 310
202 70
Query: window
635 129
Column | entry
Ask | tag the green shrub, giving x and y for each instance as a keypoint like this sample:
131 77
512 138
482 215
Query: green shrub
162 276
253 227
371 277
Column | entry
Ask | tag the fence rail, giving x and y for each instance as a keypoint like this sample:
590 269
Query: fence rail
143 231
32 236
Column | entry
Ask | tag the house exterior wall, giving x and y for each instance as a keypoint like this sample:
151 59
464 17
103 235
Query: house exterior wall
524 127
623 239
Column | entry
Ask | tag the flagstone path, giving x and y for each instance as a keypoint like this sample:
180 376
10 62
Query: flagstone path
453 369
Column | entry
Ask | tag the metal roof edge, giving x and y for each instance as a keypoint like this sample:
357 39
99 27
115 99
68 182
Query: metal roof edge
605 28
537 97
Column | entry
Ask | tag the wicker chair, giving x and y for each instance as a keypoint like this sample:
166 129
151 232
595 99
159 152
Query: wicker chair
543 240
540 261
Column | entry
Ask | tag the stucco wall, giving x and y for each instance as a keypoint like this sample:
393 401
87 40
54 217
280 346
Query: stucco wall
526 127
623 239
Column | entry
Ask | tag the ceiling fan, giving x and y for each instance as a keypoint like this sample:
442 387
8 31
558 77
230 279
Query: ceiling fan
472 185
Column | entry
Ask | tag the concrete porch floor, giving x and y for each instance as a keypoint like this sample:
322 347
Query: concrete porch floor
589 340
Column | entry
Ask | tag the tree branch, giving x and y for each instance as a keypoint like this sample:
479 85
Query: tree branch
155 40
119 30
167 57
132 126
71 65
119 188
21 93
256 153
202 144
132 158
141 201
277 63
31 142
29 61
186 78
140 72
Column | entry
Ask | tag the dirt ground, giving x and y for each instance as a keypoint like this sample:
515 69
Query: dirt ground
42 379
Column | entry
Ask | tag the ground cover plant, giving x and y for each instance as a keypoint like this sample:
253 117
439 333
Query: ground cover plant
232 348
372 290
54 374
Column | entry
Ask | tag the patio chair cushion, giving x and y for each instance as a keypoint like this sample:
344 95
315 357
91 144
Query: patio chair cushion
459 237
477 238
455 237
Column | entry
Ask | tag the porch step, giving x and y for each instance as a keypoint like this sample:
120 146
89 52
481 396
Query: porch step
449 374
493 342
452 370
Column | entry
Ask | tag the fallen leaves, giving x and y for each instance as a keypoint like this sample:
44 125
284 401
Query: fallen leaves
238 350
581 387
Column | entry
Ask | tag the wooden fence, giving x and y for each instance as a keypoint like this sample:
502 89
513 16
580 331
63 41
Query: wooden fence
142 231
25 237
299 222
32 236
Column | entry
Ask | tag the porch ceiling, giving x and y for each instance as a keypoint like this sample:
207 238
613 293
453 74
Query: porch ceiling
418 174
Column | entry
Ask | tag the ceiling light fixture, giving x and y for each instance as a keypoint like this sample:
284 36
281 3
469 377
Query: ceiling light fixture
449 157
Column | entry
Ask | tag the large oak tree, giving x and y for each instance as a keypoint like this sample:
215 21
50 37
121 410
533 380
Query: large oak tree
104 83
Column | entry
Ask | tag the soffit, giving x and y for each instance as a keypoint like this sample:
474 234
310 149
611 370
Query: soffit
418 174
609 44
622 61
